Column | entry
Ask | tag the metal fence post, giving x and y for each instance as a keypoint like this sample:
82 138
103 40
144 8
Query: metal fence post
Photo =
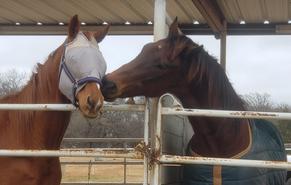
159 33
146 141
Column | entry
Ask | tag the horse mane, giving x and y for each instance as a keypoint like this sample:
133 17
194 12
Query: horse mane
40 84
41 88
204 71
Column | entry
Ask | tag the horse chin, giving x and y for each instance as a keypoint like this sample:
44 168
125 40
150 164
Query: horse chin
109 96
89 114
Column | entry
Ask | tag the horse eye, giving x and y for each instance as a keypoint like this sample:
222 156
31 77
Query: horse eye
160 66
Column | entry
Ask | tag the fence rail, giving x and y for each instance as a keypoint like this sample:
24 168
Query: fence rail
96 152
99 140
177 109
132 153
68 107
225 113
102 162
98 183
174 159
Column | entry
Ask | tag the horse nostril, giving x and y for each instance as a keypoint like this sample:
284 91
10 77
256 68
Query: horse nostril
91 103
109 87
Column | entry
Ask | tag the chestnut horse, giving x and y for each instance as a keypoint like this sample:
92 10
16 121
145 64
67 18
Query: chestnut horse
45 130
179 66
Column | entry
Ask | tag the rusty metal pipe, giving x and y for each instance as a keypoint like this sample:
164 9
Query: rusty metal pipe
225 113
67 107
97 152
174 159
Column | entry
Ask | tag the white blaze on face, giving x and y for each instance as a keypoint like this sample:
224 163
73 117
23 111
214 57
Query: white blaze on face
83 59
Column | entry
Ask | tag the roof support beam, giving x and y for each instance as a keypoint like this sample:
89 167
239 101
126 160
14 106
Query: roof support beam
188 29
223 48
62 30
210 10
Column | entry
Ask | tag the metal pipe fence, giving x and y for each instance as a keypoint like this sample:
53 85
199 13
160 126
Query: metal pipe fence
96 152
175 159
106 161
99 183
100 140
177 109
132 153
138 162
225 113
68 107
120 153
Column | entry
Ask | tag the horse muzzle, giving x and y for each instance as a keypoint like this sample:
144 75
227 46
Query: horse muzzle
90 100
109 90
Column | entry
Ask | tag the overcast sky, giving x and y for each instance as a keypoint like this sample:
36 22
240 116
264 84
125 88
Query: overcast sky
254 63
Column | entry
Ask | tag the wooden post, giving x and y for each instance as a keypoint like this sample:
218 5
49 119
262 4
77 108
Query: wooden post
223 35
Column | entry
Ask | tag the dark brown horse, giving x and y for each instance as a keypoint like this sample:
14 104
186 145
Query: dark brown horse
179 66
45 130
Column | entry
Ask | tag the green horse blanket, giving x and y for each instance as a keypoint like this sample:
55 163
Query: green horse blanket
266 144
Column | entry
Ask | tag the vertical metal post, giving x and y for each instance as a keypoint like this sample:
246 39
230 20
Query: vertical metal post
124 165
159 20
159 33
223 46
124 171
146 141
158 146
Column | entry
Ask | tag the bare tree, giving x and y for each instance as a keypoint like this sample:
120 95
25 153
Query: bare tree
258 102
283 108
11 82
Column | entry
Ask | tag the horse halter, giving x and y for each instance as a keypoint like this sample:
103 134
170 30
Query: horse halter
81 63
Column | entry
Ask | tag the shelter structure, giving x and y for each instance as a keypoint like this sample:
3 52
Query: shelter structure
131 17
145 17
136 17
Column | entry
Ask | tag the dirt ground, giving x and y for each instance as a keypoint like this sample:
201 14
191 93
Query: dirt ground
101 172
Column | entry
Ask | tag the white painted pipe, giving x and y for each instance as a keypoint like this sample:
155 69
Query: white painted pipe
225 113
174 159
67 107
146 141
160 32
160 27
39 107
98 140
96 152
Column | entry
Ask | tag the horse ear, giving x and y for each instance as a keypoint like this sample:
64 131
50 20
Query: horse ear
174 30
74 27
99 35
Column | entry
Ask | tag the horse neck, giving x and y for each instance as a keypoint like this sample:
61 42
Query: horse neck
215 137
36 129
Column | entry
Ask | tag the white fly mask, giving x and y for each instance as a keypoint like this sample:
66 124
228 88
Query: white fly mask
82 62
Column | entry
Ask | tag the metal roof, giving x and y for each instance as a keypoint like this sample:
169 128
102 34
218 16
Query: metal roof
25 16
